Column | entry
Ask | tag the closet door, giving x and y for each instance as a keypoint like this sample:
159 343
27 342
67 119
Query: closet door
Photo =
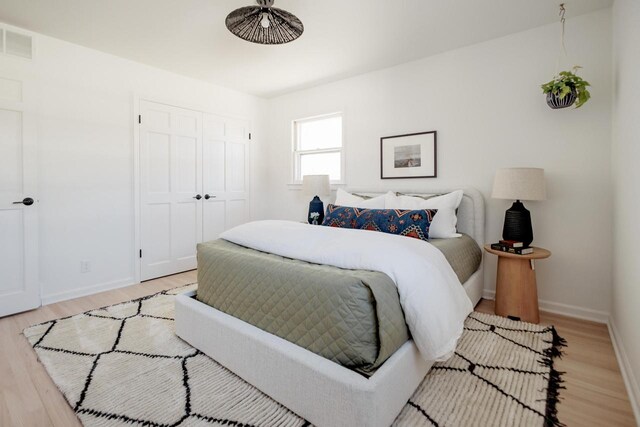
171 188
225 174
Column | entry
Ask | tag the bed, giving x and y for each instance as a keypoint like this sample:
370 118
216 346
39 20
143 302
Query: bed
366 387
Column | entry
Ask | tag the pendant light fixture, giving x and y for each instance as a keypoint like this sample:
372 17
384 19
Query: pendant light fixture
264 24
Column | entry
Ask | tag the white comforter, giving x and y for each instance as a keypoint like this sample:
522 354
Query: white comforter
434 302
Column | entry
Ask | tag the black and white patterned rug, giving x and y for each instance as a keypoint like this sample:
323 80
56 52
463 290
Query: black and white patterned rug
124 365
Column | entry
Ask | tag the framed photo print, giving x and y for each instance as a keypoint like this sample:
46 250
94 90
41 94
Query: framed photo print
408 156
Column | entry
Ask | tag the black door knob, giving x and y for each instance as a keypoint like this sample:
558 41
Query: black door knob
197 197
207 197
27 201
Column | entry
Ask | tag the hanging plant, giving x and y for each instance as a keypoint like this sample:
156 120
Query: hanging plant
565 89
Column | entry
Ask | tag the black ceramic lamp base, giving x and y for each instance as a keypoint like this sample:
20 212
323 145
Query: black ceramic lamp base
316 207
517 224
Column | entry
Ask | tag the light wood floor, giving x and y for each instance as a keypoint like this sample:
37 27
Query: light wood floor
595 394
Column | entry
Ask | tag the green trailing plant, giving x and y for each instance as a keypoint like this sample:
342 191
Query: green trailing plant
565 83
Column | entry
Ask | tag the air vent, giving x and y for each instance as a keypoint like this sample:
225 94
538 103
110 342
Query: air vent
18 44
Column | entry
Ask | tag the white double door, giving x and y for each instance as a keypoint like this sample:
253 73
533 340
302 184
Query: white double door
19 287
194 178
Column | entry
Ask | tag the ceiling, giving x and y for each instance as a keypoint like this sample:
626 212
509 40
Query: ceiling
342 38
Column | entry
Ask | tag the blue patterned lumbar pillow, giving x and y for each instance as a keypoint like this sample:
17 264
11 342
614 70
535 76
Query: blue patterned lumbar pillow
410 223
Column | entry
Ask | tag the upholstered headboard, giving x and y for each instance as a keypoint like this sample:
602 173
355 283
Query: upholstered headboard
470 212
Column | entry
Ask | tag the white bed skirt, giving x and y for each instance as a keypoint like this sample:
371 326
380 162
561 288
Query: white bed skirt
323 392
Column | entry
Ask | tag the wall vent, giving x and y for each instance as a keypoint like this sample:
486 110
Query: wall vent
16 43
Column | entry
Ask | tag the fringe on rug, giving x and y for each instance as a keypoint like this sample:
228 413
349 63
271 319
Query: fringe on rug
555 378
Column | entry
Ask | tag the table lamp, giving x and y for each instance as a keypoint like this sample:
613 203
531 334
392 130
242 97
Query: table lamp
316 186
518 184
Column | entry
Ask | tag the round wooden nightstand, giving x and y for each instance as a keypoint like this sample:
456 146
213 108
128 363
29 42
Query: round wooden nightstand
516 291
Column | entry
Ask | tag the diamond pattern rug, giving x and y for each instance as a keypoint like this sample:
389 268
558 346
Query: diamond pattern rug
124 365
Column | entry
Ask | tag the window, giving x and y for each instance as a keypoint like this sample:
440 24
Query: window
318 148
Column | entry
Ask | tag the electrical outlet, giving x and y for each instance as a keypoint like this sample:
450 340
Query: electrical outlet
85 266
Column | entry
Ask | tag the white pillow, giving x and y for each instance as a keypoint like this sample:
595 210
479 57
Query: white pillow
444 223
344 198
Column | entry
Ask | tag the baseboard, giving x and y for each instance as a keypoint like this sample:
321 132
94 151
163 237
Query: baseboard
630 381
563 309
87 290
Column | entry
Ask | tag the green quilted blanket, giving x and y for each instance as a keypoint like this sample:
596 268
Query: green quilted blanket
352 317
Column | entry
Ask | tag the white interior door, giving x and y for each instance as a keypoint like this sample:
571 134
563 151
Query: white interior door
170 188
225 174
19 288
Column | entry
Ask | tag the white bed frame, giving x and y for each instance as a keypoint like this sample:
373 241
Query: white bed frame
323 392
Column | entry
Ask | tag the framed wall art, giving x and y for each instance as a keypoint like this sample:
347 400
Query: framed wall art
408 156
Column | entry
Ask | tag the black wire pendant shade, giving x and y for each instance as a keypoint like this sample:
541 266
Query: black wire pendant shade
264 24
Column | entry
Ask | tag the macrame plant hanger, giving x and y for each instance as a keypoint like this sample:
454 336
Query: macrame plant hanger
566 87
563 50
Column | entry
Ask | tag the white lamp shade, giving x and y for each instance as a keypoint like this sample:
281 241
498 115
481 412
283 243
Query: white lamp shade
316 185
519 184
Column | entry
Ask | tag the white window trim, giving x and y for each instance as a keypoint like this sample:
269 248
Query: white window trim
296 154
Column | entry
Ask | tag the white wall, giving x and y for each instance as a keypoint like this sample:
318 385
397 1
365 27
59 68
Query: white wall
85 145
484 100
486 104
626 190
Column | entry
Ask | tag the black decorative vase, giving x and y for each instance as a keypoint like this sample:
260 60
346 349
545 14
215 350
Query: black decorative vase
517 224
316 207
556 103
